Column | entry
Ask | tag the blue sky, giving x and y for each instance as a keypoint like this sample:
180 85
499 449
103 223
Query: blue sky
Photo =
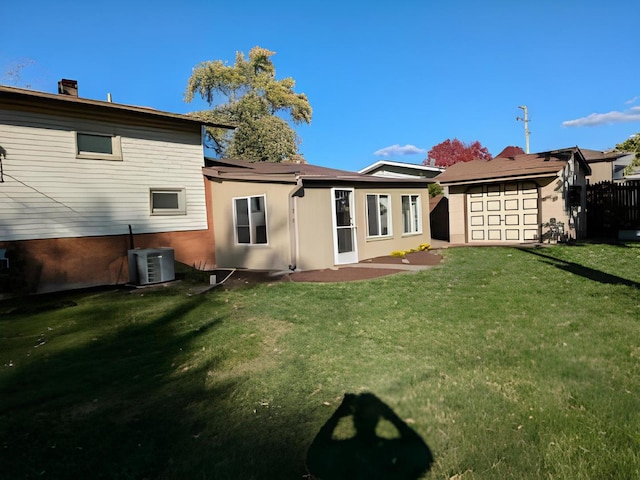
386 80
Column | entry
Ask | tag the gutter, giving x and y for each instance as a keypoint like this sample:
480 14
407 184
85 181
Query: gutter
294 237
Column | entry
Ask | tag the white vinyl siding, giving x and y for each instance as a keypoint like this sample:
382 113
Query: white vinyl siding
49 193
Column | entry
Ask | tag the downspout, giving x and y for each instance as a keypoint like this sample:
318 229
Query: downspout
294 239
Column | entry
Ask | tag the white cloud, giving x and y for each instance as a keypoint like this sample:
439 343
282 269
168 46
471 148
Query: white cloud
633 115
633 100
397 150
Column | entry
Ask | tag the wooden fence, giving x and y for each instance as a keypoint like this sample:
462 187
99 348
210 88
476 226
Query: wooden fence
612 207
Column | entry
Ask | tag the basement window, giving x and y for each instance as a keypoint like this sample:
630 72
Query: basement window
168 201
98 146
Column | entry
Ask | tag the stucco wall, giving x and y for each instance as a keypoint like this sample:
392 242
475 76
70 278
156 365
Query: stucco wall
276 253
315 229
601 172
300 228
371 247
457 214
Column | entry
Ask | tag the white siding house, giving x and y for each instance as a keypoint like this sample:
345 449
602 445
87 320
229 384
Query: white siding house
83 180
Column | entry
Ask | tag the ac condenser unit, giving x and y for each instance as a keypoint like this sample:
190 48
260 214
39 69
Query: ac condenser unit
151 265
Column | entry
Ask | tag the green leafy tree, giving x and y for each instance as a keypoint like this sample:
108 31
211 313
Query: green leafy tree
248 95
435 189
632 144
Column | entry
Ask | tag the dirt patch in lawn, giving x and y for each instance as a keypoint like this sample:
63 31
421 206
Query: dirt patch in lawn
365 271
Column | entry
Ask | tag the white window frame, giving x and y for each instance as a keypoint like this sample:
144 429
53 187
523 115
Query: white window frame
181 197
116 147
414 225
378 215
252 217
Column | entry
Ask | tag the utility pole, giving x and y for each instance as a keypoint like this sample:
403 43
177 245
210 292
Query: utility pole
526 126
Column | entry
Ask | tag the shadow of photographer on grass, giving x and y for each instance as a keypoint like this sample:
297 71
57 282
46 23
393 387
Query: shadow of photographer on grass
366 455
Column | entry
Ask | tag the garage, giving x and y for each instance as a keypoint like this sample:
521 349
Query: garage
503 212
509 199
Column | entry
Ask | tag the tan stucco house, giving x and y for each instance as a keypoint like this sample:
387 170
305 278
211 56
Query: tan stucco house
512 199
83 181
296 216
606 166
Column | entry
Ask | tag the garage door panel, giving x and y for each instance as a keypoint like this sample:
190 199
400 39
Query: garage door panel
495 235
512 219
511 189
477 206
512 234
530 234
511 204
503 212
493 191
477 220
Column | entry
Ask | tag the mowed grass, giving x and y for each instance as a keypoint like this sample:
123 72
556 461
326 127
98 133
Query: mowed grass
510 363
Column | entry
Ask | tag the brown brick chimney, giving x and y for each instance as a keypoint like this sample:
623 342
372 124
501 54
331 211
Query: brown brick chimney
68 87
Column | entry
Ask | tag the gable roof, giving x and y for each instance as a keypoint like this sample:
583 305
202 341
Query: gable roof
596 156
242 170
20 97
527 166
402 166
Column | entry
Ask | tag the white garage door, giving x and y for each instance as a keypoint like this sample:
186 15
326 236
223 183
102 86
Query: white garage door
505 212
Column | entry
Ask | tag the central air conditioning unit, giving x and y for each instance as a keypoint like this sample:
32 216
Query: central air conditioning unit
151 265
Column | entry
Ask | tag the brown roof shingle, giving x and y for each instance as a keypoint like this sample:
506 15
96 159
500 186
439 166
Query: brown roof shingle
521 166
21 96
233 169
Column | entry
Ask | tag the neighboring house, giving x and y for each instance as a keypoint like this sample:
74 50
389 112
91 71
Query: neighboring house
438 217
606 166
510 199
388 168
280 216
84 181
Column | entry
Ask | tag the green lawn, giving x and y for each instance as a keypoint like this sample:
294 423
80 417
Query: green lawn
509 363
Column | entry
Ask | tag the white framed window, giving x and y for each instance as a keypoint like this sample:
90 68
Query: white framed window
168 201
98 146
250 219
378 215
411 214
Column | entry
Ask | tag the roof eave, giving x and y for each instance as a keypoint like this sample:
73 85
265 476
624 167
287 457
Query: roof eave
473 181
23 96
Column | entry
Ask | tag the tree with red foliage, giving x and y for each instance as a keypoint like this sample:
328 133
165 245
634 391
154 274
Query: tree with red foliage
453 151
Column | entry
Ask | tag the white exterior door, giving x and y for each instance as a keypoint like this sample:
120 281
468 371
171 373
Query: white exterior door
504 212
344 227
